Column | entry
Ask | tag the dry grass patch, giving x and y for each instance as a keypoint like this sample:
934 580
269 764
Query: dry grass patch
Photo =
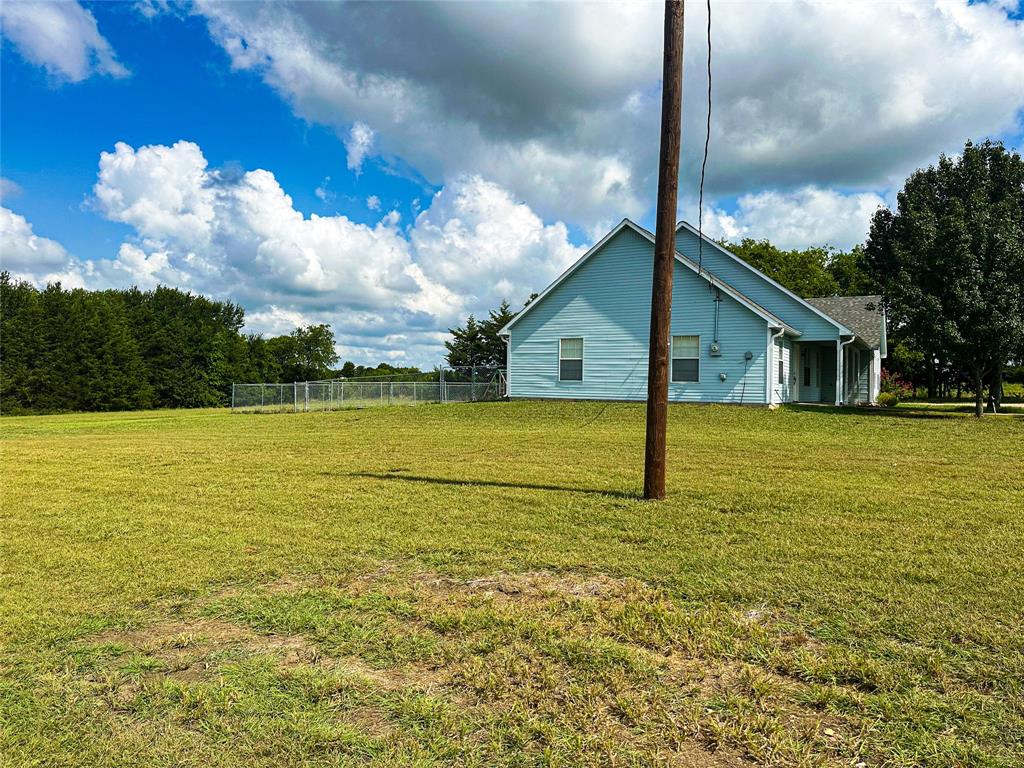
562 661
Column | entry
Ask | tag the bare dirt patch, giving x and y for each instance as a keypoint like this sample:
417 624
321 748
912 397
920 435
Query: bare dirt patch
538 584
175 638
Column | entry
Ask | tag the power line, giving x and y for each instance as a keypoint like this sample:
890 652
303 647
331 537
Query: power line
704 162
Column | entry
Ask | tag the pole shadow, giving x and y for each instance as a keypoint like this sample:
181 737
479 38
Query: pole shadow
495 484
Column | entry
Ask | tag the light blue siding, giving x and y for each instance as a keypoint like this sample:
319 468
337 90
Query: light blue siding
754 286
607 301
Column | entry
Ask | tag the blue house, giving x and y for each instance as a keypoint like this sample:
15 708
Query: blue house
737 335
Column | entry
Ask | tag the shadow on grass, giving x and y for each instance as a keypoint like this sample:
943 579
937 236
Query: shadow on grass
897 413
494 484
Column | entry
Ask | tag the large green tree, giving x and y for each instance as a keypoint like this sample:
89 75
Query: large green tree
950 259
815 271
306 354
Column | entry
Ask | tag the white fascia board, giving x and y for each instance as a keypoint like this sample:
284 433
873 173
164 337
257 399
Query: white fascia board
689 228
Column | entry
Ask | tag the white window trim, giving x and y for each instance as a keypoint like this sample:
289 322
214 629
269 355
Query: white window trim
581 358
672 356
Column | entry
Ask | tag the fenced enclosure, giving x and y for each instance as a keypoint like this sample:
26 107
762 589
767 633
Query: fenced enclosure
447 385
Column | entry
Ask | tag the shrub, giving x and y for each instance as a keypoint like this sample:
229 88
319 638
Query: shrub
888 399
893 384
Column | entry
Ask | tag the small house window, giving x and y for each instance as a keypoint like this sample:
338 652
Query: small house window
782 376
817 367
570 359
686 358
807 369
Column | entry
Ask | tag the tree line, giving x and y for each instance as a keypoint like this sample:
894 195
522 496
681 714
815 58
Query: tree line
79 350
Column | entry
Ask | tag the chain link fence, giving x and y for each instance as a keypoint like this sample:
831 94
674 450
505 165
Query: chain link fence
337 394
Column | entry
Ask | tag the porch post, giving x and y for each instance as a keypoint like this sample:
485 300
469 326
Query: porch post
876 376
839 372
796 362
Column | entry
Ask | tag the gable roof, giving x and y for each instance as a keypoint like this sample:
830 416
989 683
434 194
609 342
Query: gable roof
843 330
754 307
863 315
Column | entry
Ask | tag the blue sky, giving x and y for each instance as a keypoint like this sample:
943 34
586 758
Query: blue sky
391 168
181 87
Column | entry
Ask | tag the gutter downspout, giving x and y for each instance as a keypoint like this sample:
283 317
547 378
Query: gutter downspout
840 346
771 366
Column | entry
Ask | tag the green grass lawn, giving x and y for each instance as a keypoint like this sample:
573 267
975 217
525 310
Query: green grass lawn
479 585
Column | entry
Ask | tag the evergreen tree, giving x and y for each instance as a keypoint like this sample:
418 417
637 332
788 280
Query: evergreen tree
477 342
21 328
122 349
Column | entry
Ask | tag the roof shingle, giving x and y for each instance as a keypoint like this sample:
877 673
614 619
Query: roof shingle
861 314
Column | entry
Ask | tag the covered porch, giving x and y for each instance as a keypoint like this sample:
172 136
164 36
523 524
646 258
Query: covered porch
839 372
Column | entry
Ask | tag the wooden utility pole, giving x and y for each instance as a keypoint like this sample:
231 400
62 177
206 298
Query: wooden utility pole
664 252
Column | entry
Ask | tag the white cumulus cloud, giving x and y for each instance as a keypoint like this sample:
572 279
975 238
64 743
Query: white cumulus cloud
23 252
61 37
480 241
807 216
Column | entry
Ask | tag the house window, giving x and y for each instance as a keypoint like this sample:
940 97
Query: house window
807 369
817 367
570 359
686 358
782 376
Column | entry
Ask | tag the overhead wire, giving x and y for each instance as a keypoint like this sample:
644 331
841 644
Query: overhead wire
704 162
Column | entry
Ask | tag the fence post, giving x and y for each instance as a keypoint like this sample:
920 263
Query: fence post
391 391
305 396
